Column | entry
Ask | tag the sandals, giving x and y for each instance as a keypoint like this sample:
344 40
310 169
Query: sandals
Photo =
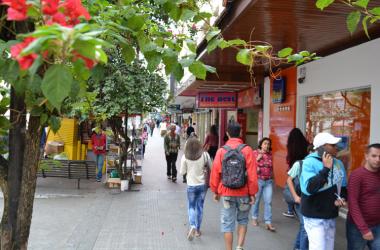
255 223
271 228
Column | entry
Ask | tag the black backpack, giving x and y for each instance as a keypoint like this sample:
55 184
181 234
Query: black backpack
234 171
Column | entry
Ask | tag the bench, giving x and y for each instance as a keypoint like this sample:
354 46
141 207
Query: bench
71 169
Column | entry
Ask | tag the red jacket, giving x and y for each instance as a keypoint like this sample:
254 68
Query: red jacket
216 185
98 141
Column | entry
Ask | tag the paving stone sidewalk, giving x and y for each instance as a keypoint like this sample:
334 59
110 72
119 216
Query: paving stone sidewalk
151 217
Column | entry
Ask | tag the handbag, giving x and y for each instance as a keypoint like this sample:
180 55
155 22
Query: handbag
288 197
206 171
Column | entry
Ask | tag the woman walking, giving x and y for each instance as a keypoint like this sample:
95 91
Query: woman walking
264 164
297 150
212 141
194 163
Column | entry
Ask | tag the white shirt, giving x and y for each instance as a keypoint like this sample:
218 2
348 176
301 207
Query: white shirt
177 130
195 169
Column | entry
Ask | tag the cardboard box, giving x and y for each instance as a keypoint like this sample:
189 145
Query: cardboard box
54 147
137 178
113 182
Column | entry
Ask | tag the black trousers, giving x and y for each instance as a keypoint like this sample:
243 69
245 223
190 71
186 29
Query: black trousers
170 165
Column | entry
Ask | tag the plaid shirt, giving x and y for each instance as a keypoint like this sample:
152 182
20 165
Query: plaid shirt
172 144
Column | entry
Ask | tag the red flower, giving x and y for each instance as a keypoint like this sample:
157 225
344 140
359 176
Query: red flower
17 10
58 18
74 9
89 62
49 7
24 61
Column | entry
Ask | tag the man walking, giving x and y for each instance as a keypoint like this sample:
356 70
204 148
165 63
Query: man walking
190 130
172 144
234 180
363 220
323 186
99 141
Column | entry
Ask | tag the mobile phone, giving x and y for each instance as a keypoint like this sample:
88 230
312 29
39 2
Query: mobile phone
320 151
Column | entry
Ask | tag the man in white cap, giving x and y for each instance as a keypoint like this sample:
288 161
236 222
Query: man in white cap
323 186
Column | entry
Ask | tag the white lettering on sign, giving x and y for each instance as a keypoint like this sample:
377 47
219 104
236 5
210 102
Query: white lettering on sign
283 108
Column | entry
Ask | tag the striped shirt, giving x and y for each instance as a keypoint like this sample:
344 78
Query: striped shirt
364 199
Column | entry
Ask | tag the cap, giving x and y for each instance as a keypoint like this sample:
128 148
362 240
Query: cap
325 138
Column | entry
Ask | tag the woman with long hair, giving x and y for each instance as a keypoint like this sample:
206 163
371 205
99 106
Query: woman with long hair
298 149
263 161
194 163
212 141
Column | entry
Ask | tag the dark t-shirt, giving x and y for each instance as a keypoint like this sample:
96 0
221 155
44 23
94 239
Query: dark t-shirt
189 130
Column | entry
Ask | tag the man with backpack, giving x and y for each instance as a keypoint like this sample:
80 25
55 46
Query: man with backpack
234 180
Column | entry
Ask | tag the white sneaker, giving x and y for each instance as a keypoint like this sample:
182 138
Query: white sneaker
190 234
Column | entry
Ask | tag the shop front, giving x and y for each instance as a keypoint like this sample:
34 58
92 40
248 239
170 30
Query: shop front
250 115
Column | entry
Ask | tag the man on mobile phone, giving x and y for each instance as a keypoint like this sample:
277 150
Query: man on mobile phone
323 186
363 220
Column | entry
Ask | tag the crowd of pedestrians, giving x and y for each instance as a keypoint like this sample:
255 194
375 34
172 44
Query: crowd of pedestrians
317 186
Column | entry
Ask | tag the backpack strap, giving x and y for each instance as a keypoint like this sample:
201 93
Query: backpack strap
226 147
240 147
300 170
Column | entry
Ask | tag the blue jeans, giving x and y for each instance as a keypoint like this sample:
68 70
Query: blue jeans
196 197
301 241
355 239
99 165
235 208
265 190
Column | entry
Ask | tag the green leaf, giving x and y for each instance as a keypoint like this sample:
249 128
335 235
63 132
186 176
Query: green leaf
128 53
262 48
321 4
295 58
213 44
198 69
187 14
153 58
304 53
191 45
186 62
375 11
136 22
160 2
361 3
285 52
237 42
210 69
212 33
178 71
244 57
364 23
4 123
75 89
20 86
353 20
55 123
85 48
43 119
56 84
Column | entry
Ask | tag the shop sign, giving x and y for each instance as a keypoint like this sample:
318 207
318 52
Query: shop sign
174 108
278 90
249 98
217 100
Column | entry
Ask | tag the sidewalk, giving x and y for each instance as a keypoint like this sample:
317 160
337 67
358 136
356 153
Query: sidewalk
152 217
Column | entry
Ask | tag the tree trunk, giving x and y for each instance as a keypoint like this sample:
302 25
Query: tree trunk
117 129
10 238
19 184
29 180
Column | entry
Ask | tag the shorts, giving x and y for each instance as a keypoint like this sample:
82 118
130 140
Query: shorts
235 208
